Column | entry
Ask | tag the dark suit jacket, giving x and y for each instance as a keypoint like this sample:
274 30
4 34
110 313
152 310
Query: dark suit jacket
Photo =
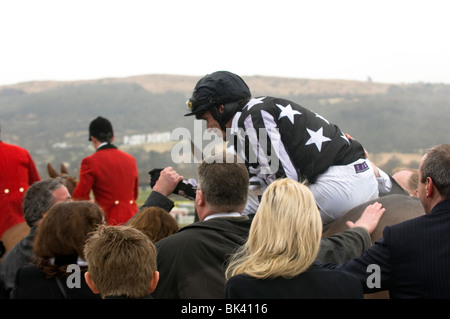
315 283
20 255
31 283
192 262
112 175
413 256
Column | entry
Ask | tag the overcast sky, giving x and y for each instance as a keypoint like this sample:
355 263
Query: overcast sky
389 41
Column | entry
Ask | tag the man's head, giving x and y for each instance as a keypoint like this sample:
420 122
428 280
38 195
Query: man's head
221 94
223 185
101 129
434 176
41 196
408 179
121 262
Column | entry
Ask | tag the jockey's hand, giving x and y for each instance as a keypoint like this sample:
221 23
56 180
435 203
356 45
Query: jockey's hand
369 218
167 181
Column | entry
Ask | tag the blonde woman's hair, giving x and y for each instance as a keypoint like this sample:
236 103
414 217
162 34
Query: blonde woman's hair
285 234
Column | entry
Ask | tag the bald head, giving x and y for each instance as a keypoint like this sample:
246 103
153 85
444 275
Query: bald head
408 179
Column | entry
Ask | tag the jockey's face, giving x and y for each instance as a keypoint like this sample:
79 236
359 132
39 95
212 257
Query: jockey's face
213 125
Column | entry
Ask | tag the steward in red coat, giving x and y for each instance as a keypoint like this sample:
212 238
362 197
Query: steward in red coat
110 173
17 173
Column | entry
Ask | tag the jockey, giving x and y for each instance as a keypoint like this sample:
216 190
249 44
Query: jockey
279 138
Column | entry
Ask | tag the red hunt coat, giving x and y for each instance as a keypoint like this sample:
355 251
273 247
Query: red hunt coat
17 173
112 176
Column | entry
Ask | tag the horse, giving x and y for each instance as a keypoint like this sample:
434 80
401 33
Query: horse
69 181
399 207
12 236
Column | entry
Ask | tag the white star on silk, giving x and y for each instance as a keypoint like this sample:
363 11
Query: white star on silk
317 138
254 101
288 112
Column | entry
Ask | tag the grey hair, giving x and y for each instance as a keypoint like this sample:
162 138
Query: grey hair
436 165
39 199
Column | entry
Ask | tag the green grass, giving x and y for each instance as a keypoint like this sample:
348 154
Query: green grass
143 194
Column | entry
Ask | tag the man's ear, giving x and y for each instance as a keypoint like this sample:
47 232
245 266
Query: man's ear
429 187
154 281
90 282
200 198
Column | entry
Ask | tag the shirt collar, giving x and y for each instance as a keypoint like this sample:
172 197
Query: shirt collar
233 214
101 145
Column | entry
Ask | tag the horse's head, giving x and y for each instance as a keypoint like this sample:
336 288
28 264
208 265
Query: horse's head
69 181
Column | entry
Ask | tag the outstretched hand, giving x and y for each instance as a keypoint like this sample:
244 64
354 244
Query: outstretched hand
369 218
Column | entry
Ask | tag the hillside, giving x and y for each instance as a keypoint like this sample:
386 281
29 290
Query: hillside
260 85
51 118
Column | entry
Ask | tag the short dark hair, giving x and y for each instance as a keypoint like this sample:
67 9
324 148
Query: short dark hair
224 181
436 165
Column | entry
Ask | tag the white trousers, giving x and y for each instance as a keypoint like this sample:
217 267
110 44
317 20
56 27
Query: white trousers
341 188
337 190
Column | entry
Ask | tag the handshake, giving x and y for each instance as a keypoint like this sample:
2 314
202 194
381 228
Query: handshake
172 183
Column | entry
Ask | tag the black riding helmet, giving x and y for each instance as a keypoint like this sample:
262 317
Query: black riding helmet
215 89
101 129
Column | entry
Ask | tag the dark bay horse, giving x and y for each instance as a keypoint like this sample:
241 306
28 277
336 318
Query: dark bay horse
398 209
69 181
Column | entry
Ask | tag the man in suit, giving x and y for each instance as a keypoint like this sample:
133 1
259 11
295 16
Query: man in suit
191 261
17 173
413 257
110 173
